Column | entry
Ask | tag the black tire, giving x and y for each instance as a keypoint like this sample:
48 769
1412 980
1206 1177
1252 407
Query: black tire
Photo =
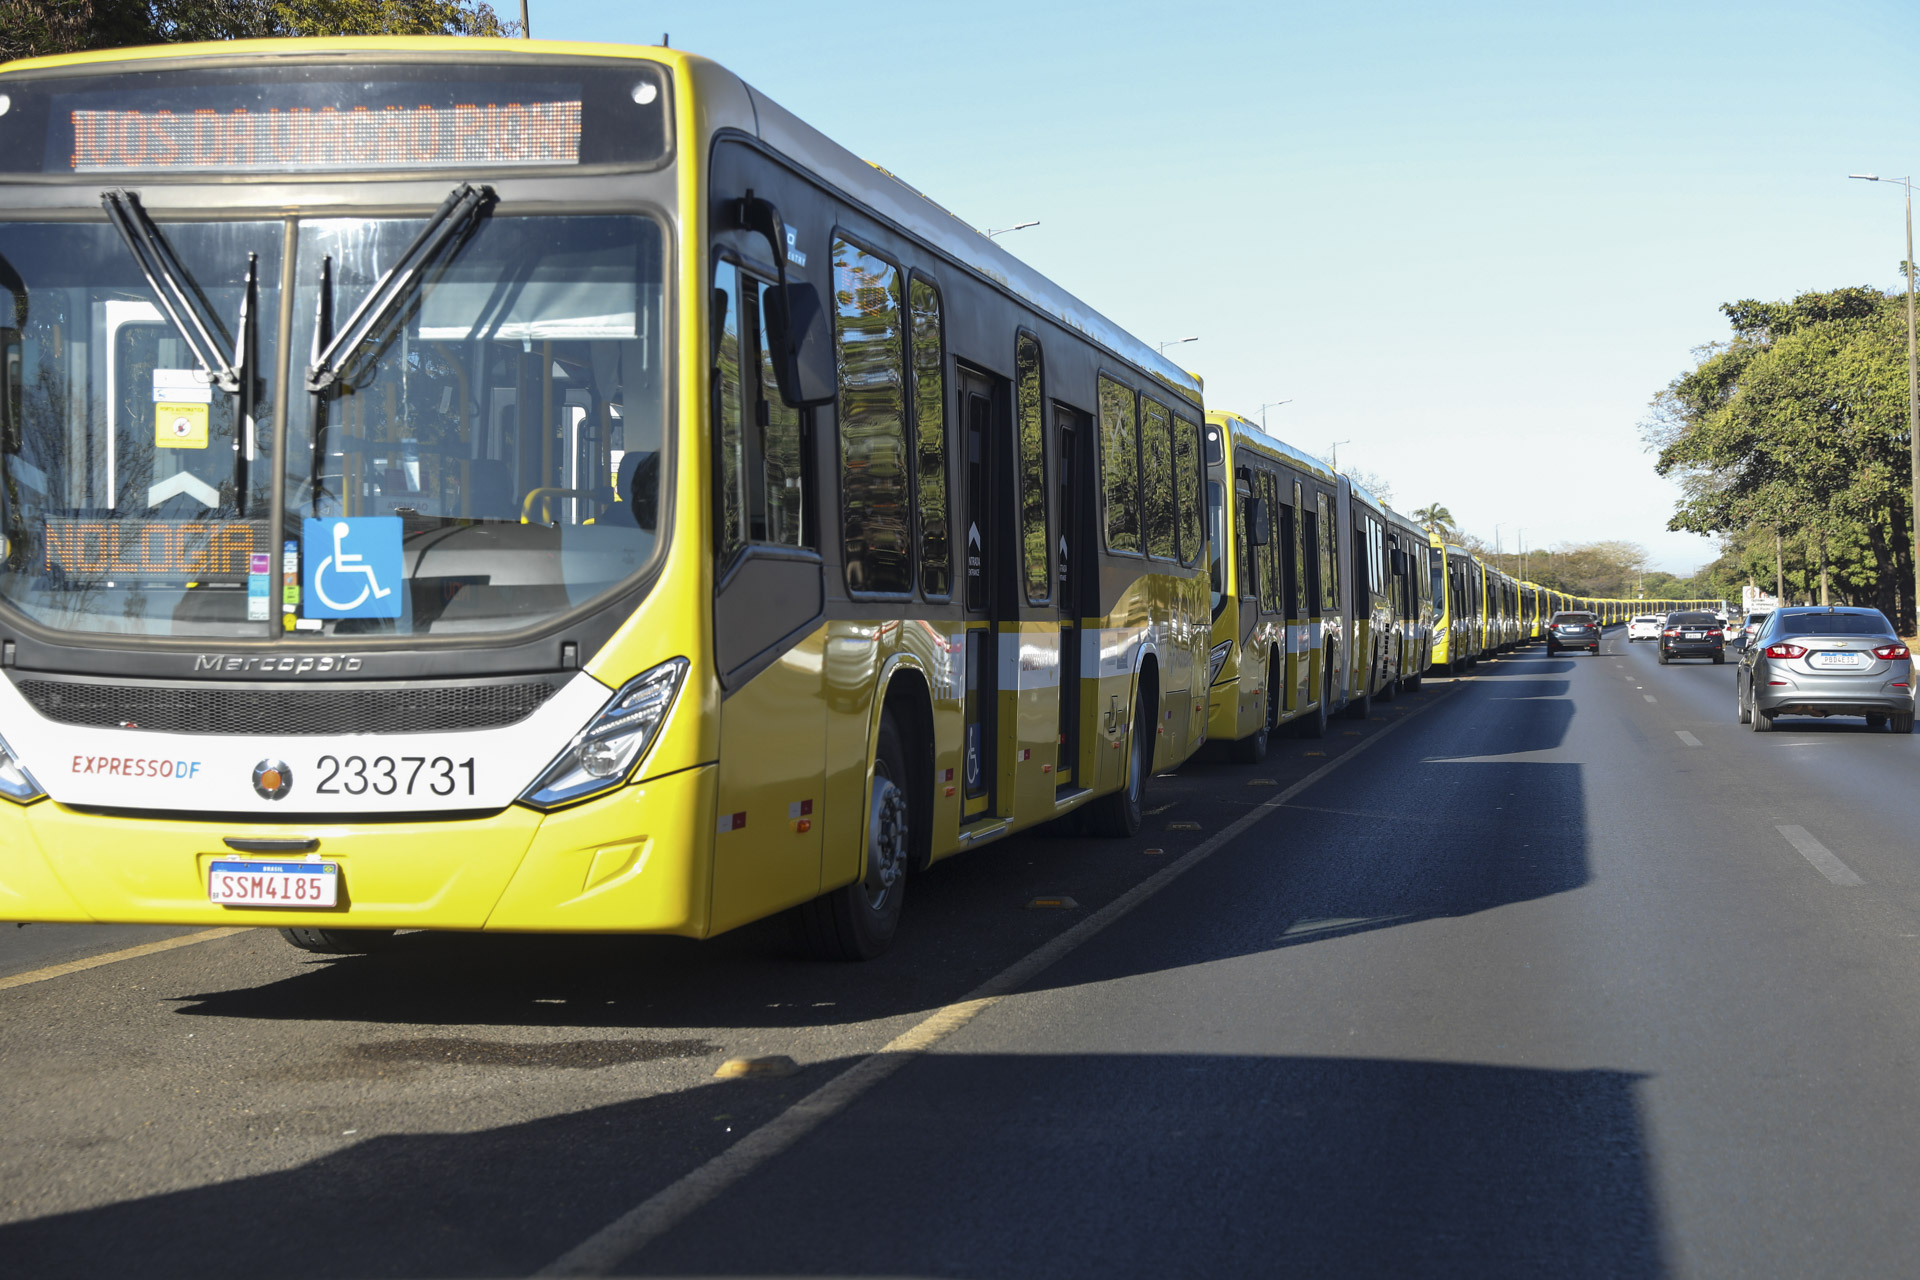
858 921
1740 701
1413 682
1121 813
1313 724
1761 723
1359 708
1553 650
340 942
1902 723
1719 659
1252 750
1664 659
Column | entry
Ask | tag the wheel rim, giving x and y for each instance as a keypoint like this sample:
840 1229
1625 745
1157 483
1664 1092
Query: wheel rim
887 827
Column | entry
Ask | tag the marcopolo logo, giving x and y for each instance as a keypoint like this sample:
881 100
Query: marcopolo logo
289 665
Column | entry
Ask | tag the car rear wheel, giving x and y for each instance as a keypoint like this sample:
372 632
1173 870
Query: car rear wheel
1876 722
1762 723
1901 723
1740 701
1664 659
1719 659
340 942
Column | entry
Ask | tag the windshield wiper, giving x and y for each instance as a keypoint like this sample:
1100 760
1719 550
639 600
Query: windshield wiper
169 282
173 288
456 215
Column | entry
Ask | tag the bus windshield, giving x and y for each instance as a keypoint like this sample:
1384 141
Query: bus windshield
490 458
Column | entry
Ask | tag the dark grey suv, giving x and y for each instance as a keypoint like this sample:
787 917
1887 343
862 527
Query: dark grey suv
1826 662
1692 635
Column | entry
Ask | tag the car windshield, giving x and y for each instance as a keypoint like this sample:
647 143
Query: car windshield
1844 623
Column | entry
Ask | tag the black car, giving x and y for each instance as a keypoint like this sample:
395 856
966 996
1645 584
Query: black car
1692 635
1575 630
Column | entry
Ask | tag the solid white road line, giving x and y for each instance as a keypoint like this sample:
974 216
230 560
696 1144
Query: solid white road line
113 957
1688 738
1821 857
626 1235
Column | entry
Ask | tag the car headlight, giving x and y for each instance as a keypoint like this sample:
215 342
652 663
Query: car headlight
603 754
16 784
1217 659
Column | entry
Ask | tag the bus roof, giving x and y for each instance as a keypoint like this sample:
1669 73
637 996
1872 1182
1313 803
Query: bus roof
1246 434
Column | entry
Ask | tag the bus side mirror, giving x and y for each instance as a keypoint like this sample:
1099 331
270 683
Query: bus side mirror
1262 522
797 331
802 348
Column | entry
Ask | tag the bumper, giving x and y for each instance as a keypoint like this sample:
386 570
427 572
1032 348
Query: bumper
634 861
1812 696
1693 649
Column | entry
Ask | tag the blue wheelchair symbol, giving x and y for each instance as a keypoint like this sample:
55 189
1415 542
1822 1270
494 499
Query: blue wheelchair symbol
353 567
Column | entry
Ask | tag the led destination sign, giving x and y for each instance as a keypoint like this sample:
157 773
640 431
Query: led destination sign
180 550
464 135
327 117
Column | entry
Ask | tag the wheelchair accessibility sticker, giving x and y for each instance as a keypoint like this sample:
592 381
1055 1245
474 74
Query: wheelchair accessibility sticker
352 567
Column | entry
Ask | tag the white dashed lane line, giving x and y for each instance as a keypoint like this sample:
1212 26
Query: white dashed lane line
1688 738
1821 857
1649 697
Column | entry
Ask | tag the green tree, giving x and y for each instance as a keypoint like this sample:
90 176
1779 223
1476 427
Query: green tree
1790 442
1433 517
35 28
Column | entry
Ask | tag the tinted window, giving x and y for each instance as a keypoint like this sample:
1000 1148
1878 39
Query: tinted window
1119 466
1868 622
930 438
1156 473
762 462
1186 474
873 445
1033 469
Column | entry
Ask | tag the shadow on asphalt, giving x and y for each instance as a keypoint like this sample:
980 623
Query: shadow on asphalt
980 1165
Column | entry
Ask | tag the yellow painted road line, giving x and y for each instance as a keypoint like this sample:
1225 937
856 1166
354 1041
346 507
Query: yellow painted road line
659 1213
114 957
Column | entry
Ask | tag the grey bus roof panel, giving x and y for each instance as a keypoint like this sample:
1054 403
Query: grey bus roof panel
902 204
1244 432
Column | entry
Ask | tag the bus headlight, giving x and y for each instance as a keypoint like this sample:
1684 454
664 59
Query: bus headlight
604 753
16 784
1217 659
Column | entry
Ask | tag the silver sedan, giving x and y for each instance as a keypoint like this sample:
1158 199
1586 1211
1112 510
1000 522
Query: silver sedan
1826 662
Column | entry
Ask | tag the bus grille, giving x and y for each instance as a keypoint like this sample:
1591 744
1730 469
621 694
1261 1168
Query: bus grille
398 708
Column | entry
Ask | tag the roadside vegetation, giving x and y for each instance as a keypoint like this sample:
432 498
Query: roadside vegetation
36 28
1790 444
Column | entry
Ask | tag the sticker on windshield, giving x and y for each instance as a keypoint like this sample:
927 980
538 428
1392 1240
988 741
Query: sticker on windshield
352 567
180 426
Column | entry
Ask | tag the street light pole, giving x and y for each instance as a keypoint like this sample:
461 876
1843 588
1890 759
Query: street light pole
526 28
1018 226
1913 388
1271 404
1174 342
1334 461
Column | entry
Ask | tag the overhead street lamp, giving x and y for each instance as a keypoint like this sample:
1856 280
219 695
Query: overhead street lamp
1334 449
1913 381
1018 226
1271 404
1174 342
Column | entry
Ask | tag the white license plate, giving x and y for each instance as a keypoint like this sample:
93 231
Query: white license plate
274 884
1841 661
1694 635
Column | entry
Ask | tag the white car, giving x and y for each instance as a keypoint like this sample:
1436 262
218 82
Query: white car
1645 626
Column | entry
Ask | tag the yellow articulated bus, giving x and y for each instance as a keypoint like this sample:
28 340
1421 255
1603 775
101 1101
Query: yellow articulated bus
527 486
1413 601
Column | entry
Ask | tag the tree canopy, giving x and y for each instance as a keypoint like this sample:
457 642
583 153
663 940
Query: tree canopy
35 28
1796 430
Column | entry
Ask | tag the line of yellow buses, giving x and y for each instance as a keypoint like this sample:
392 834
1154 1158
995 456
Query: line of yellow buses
549 487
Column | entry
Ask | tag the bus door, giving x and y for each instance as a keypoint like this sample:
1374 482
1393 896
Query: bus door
1072 432
984 600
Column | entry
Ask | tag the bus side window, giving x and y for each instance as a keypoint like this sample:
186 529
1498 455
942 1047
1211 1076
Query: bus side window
1120 465
874 470
930 440
728 429
1156 472
1187 486
1244 560
1274 584
780 502
1329 562
1311 520
1030 422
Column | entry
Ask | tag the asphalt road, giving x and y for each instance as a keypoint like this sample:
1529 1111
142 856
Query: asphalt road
1557 971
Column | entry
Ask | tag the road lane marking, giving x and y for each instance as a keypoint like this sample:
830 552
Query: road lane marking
1649 697
1688 738
1821 857
114 957
659 1213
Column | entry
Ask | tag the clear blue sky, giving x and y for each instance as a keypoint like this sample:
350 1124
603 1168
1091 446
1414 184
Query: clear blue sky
1474 240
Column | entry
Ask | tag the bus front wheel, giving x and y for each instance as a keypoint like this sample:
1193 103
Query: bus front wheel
857 921
1121 813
